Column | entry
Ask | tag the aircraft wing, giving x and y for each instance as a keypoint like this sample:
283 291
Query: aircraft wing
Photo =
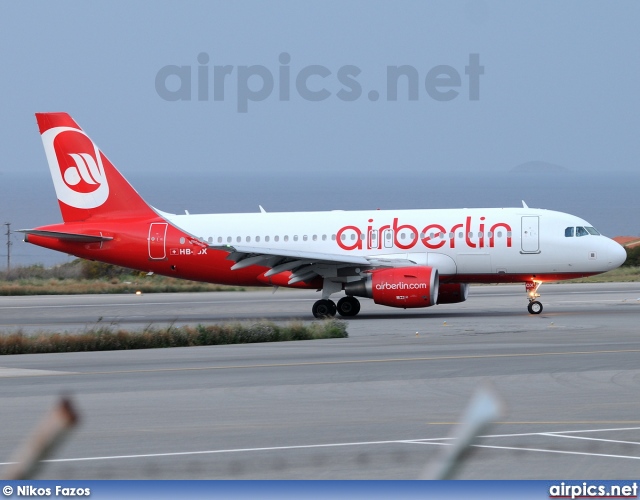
304 265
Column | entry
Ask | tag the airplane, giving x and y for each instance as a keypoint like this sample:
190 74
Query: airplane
398 258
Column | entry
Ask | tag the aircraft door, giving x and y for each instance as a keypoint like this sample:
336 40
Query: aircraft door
157 240
530 234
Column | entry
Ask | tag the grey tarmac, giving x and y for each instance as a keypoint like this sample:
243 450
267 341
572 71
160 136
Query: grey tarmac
380 404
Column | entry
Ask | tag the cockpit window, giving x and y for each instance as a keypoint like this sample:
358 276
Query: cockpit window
592 230
580 231
568 233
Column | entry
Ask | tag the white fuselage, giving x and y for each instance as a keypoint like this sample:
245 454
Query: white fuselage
479 241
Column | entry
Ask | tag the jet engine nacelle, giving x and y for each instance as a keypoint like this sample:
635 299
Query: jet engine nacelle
404 287
452 293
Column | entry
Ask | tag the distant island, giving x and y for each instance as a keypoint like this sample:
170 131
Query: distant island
539 167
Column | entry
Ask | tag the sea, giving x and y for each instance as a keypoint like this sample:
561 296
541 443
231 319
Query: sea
609 201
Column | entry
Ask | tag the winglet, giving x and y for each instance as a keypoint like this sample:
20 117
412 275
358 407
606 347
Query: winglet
262 210
524 205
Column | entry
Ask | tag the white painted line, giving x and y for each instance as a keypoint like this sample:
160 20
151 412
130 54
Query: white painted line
25 372
564 432
561 452
553 434
548 293
213 452
138 304
540 450
588 301
433 441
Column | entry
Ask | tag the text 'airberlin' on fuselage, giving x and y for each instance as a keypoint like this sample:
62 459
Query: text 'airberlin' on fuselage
432 236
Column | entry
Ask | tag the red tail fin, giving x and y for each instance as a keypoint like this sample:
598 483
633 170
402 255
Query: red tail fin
87 184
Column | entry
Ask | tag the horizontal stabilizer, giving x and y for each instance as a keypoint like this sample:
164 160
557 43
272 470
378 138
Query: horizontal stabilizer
80 238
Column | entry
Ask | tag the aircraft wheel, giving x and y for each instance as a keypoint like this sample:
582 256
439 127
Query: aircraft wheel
348 306
534 307
324 309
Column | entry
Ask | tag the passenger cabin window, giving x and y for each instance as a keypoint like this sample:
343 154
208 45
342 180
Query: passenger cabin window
580 231
568 233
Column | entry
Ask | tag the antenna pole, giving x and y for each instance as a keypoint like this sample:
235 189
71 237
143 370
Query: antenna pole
8 224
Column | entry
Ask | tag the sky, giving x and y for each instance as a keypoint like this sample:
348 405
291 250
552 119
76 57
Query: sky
493 84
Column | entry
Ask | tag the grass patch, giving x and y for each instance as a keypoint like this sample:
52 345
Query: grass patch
130 284
622 274
109 339
82 276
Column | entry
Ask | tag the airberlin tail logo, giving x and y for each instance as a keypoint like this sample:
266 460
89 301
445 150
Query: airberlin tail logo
76 167
84 173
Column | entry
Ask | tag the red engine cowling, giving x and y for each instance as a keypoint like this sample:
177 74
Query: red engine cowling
452 293
399 287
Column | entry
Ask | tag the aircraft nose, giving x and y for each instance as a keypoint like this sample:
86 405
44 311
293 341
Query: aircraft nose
617 254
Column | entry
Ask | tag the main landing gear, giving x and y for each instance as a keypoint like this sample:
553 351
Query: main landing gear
534 306
325 308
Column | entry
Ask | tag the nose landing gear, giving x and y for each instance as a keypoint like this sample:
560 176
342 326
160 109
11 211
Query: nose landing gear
534 306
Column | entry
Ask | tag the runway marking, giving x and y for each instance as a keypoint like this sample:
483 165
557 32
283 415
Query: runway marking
541 450
553 434
353 362
551 293
588 301
581 431
232 450
554 422
25 372
434 441
562 452
138 304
